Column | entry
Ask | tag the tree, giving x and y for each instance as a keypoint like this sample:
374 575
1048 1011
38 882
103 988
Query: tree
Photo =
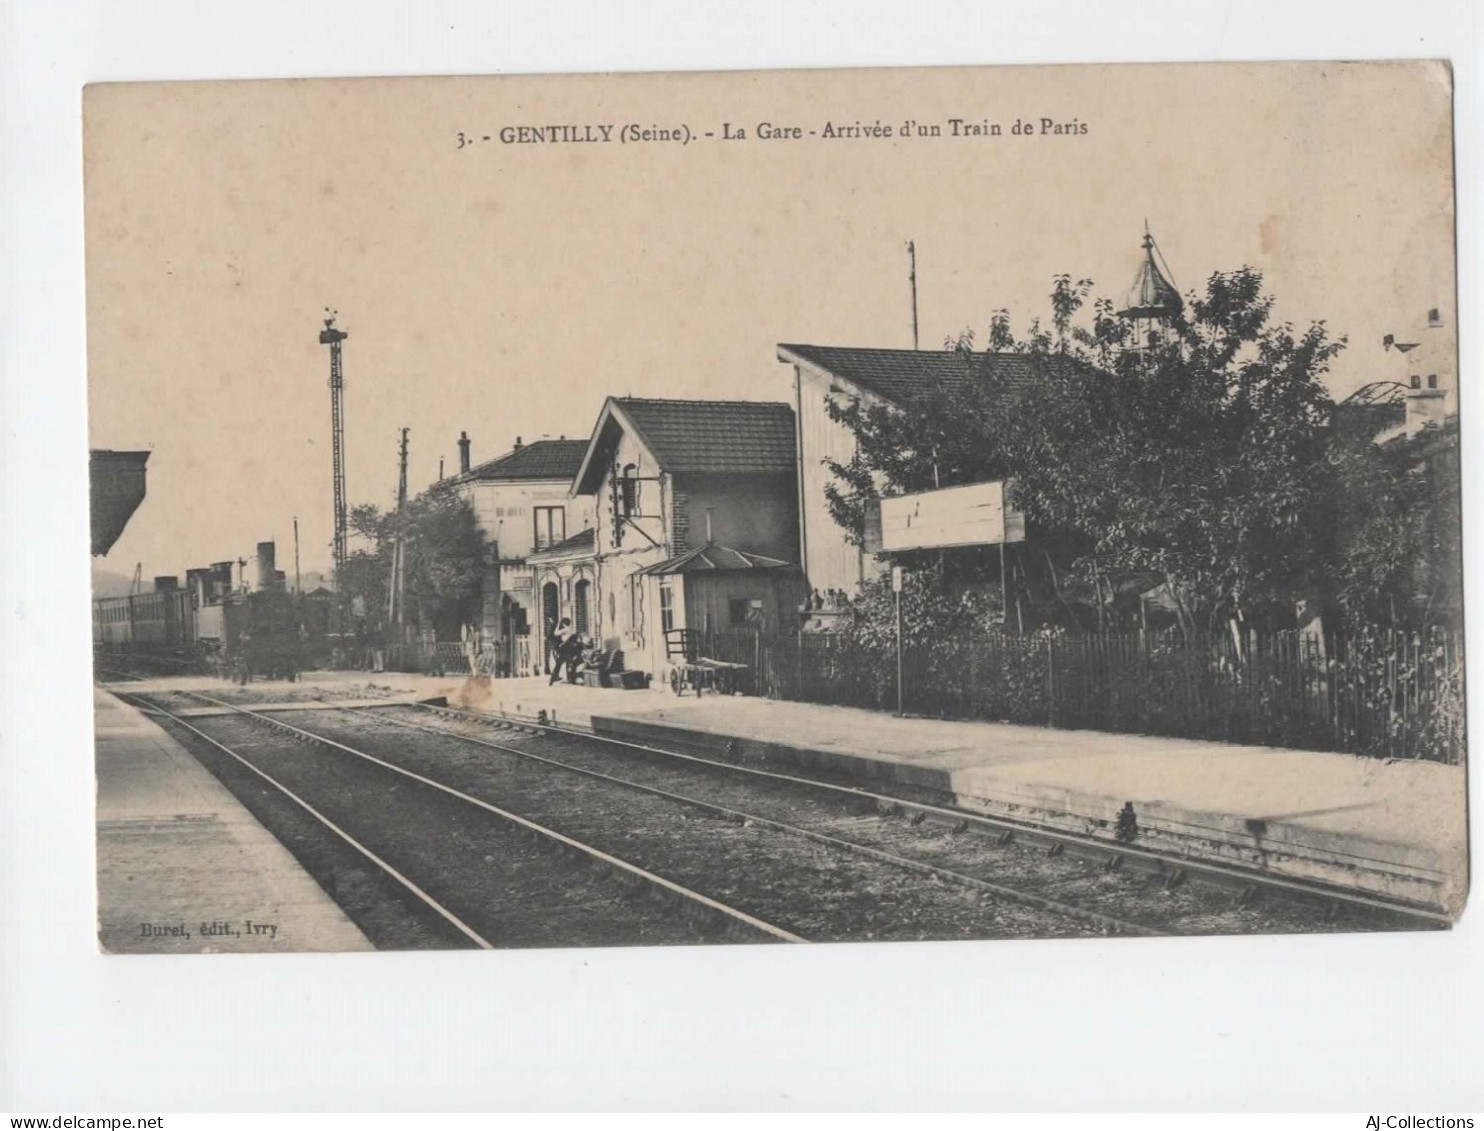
1197 457
1397 530
443 561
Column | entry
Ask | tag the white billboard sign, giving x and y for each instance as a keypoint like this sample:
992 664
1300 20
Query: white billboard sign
972 515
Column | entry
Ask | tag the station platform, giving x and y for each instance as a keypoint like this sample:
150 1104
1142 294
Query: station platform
177 852
1395 830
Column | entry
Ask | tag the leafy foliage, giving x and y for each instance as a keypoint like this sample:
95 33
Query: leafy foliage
442 563
1195 454
1396 528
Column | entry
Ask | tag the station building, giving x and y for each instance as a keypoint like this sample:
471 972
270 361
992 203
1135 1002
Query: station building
695 508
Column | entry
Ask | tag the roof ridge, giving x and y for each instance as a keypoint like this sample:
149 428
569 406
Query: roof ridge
945 352
701 401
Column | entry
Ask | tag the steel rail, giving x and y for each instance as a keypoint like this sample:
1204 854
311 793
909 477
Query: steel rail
1173 868
1016 895
464 928
1156 863
532 826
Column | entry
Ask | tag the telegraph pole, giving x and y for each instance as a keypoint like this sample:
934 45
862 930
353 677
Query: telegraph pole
298 588
912 282
402 472
399 555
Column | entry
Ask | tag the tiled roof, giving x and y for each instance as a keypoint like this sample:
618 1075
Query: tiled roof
714 559
735 436
541 459
898 375
580 544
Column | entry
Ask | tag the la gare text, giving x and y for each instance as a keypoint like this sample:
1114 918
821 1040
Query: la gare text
608 133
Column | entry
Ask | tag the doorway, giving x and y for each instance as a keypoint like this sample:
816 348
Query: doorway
551 609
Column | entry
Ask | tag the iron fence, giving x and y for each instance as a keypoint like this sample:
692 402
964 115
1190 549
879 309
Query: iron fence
1382 693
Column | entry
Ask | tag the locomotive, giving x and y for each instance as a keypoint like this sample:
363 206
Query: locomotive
169 632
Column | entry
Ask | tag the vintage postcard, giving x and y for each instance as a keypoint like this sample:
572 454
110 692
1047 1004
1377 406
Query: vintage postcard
1017 502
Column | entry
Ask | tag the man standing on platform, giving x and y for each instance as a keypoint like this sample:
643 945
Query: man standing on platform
560 648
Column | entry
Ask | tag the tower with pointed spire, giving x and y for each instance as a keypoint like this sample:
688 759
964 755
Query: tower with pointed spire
1152 302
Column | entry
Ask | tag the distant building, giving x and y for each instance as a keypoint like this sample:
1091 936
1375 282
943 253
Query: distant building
1419 390
523 505
1427 370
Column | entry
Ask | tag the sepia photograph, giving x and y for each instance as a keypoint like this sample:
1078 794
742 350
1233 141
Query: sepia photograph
995 503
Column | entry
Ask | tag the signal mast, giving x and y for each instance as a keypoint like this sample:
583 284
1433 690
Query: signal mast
332 337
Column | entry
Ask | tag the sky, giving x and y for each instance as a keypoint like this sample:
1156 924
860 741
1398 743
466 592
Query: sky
506 289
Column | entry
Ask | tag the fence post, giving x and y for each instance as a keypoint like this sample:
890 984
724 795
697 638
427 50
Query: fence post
1050 687
973 675
899 651
757 660
896 587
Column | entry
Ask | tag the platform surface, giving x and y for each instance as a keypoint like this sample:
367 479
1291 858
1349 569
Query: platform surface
1395 829
177 851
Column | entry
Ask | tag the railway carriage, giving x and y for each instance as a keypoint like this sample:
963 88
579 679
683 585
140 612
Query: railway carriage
269 631
160 620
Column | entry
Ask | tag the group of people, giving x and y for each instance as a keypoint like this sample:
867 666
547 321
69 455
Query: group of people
565 649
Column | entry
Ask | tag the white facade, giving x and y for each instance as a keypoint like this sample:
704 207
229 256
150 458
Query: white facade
628 614
830 560
518 517
521 516
1426 365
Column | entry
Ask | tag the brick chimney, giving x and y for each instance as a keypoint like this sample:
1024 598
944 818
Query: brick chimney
267 566
463 452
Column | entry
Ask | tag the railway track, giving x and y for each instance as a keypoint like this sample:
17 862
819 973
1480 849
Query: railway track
1335 907
785 880
451 869
126 677
1061 878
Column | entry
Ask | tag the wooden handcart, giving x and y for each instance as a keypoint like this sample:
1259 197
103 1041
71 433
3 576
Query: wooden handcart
697 672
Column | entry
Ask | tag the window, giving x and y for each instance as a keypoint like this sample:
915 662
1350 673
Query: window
551 526
630 485
667 606
1432 380
579 607
745 610
1416 380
